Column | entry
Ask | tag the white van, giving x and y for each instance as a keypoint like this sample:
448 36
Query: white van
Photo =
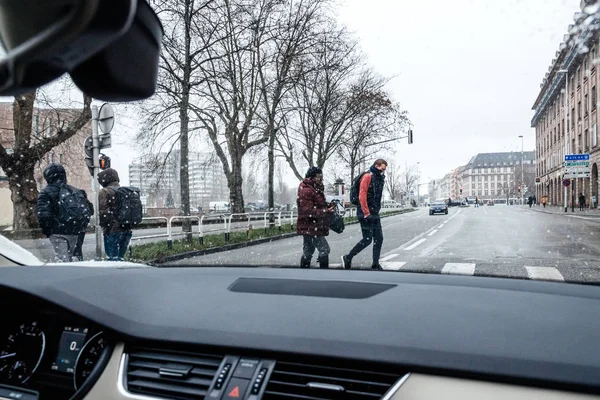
218 206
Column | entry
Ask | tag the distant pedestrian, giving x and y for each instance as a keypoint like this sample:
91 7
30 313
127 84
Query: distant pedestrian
313 218
534 200
544 201
370 194
63 212
581 202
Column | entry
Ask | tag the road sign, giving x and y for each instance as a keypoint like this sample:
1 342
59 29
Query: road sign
577 175
577 157
566 182
106 118
104 142
538 179
412 192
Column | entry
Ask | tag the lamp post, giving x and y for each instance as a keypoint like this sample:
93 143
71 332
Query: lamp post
566 124
522 186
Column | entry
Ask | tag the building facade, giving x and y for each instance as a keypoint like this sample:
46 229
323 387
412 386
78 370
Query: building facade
569 125
158 180
490 176
70 154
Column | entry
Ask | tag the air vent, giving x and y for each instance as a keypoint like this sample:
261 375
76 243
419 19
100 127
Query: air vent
171 374
312 382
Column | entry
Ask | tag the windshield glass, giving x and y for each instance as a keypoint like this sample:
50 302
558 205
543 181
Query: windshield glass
318 134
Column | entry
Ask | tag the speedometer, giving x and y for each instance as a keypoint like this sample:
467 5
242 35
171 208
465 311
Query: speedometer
88 358
21 352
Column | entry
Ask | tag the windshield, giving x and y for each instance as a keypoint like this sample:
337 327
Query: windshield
318 134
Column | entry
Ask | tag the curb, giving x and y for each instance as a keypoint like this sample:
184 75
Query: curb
569 214
234 246
227 247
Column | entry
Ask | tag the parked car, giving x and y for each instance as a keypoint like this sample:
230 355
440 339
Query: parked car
438 207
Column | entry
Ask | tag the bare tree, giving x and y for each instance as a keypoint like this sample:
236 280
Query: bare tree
167 114
228 99
18 162
289 30
399 182
381 124
326 101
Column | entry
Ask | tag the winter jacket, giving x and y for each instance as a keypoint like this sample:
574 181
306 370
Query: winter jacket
313 218
47 203
108 202
370 193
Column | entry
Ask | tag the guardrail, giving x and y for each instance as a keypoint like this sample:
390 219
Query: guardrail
280 217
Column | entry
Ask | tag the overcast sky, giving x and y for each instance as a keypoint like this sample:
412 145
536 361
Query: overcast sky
467 71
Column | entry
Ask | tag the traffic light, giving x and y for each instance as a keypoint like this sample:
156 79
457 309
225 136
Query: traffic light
410 136
460 190
104 162
519 189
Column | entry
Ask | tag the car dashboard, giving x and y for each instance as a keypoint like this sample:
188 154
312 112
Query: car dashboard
74 332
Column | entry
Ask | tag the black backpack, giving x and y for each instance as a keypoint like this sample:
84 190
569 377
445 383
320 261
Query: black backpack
355 188
129 206
73 209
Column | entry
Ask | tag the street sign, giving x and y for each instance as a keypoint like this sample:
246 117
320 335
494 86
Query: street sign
577 157
412 192
538 179
566 182
106 118
104 142
577 175
577 163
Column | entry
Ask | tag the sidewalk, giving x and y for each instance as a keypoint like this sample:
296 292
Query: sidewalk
588 213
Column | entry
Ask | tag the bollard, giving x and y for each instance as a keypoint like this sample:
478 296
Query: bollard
201 239
170 244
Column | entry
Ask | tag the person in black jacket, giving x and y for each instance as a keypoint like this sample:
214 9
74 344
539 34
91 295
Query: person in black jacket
62 236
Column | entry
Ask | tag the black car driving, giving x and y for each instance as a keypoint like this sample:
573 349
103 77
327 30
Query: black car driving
438 207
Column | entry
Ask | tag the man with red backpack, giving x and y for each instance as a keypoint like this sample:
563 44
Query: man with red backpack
367 193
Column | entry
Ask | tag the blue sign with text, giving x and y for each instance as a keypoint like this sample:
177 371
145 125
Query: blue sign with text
576 157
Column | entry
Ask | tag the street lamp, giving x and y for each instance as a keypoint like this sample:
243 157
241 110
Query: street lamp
566 124
522 186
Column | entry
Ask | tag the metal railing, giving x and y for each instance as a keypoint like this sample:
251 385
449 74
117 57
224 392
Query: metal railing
228 226
182 218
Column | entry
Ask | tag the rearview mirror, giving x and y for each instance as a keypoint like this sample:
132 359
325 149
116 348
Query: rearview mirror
110 47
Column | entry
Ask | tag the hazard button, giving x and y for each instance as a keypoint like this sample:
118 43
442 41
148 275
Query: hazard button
236 389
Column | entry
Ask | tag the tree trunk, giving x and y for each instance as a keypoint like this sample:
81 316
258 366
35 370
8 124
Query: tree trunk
234 182
184 177
24 196
271 178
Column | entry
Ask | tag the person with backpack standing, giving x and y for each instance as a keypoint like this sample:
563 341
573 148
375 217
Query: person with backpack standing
313 218
367 193
120 209
63 212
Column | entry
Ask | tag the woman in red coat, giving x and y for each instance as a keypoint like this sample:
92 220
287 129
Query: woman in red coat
313 218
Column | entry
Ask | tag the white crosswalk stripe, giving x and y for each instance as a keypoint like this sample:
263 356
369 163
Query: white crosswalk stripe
393 265
415 244
468 269
459 269
544 273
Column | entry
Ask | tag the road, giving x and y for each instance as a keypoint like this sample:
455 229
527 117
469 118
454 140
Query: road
511 241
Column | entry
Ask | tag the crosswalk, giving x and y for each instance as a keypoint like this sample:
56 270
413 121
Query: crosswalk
546 273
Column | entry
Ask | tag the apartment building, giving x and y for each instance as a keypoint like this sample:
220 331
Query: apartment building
569 125
158 179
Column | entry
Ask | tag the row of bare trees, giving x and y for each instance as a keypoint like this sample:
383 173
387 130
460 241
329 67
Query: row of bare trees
274 77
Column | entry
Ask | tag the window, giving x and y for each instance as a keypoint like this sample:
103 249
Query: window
579 110
594 136
586 104
578 78
594 98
